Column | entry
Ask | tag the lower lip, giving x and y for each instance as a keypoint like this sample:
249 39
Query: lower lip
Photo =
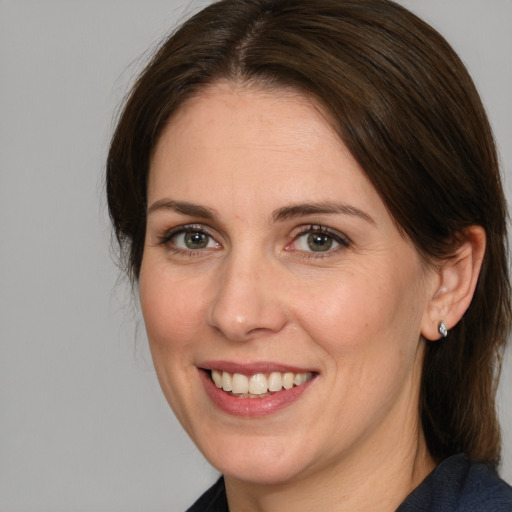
252 407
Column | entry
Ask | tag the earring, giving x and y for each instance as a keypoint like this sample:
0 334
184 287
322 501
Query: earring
443 331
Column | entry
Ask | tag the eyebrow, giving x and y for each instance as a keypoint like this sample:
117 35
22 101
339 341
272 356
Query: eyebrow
302 210
183 207
284 213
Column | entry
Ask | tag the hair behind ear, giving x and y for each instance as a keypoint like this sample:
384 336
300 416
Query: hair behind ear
461 372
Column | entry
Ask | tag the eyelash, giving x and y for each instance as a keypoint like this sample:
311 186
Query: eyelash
341 239
166 239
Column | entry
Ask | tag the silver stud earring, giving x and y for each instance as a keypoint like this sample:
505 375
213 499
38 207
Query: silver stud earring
443 331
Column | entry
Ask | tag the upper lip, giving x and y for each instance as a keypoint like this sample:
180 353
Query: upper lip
252 368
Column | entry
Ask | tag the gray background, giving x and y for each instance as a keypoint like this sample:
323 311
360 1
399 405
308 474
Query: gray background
83 424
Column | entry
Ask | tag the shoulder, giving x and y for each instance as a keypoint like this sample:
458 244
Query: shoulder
213 500
460 485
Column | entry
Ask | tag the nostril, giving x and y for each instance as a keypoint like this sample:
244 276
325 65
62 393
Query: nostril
246 303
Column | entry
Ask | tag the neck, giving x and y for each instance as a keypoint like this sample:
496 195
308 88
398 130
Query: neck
376 478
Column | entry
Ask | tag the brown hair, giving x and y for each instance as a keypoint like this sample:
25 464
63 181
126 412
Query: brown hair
407 109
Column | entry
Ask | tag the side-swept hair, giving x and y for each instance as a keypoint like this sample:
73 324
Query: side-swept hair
405 106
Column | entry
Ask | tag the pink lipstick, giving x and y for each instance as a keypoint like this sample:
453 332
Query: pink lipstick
254 390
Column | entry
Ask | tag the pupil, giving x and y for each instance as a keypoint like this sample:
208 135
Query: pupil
194 240
319 242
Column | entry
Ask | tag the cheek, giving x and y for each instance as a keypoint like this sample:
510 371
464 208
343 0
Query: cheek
172 311
172 308
369 331
337 308
362 313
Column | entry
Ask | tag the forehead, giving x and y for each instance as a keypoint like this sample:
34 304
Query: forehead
255 145
263 114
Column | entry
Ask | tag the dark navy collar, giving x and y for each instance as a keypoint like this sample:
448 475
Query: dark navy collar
459 485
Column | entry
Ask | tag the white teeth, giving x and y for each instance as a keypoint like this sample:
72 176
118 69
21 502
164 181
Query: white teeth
226 381
217 378
288 380
300 378
240 383
258 384
275 382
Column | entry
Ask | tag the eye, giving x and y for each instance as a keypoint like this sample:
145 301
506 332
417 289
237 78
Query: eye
193 240
319 242
189 238
318 239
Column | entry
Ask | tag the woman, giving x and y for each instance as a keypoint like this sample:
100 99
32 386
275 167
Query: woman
308 195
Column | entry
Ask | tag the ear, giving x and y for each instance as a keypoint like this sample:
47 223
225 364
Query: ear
454 284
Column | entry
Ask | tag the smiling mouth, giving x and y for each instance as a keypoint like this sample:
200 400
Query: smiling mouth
258 385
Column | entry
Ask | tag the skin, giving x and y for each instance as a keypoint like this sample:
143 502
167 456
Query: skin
354 313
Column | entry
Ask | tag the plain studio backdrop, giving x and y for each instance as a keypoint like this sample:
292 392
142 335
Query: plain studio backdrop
83 423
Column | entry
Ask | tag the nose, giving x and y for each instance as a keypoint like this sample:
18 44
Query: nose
247 302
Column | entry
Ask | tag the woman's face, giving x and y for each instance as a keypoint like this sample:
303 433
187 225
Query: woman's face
270 259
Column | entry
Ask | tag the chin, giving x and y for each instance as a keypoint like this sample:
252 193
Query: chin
260 472
260 460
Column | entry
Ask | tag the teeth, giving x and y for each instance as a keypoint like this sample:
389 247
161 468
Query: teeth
240 383
275 381
217 378
288 379
226 381
258 384
300 378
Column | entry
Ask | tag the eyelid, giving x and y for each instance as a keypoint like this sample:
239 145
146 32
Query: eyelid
342 239
168 235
